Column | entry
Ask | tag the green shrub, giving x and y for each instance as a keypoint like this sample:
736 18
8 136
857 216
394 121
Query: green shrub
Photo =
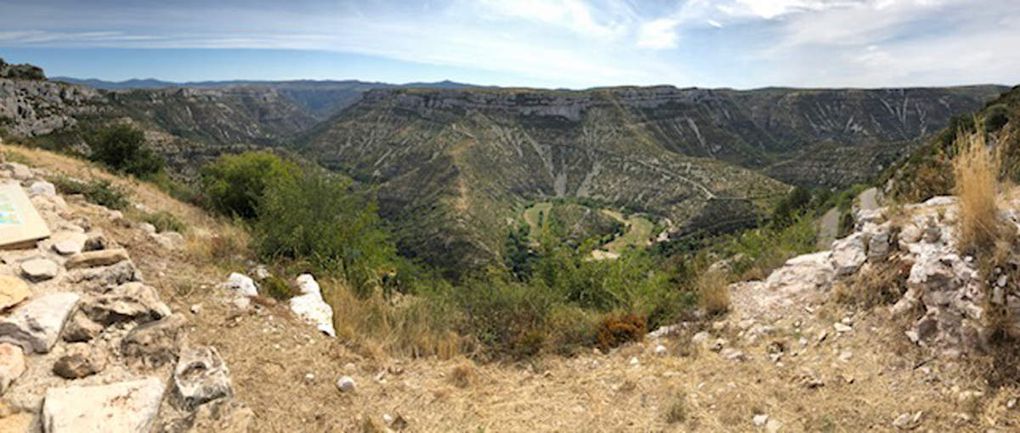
233 185
101 192
996 117
507 317
316 218
165 221
122 148
276 288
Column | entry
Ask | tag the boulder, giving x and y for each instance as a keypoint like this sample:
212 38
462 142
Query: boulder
12 291
153 344
241 284
42 188
91 259
809 272
80 361
201 376
124 407
81 329
19 171
12 365
129 302
39 269
310 306
36 324
849 254
147 228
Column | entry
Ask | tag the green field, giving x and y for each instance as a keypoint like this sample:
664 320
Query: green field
637 235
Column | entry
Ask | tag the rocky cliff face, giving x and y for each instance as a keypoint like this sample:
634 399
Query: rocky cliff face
35 107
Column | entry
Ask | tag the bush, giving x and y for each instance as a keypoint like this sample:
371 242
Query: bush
233 185
122 148
315 217
101 192
507 317
165 221
616 330
276 288
791 206
996 117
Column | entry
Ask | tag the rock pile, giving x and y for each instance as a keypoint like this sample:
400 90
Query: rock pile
86 345
943 300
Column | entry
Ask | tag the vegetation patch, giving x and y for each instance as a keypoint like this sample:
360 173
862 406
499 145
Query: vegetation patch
98 191
165 222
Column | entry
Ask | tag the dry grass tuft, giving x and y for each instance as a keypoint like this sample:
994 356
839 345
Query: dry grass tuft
463 375
713 292
876 284
676 412
616 330
976 169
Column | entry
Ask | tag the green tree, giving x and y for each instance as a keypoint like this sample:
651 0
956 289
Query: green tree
234 184
315 217
122 148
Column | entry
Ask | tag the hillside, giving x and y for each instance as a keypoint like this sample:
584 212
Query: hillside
454 165
785 358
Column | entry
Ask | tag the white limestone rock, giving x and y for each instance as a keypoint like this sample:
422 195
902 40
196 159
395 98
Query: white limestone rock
201 376
241 284
310 306
36 324
849 254
125 407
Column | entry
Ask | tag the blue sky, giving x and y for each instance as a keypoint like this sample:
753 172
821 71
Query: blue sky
542 43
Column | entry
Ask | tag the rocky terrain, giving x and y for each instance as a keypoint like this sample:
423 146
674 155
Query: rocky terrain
135 330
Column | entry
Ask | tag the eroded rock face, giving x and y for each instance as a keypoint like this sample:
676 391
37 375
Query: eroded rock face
129 407
201 376
849 253
36 324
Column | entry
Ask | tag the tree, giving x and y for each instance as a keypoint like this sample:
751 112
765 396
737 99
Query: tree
122 148
234 184
315 217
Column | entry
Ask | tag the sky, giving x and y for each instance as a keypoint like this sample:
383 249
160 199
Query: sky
535 43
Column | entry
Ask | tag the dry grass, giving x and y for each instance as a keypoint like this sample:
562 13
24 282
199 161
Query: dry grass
713 292
677 410
464 374
404 326
875 284
976 170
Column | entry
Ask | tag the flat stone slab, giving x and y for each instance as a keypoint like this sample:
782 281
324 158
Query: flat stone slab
12 291
69 243
39 269
125 407
36 324
93 259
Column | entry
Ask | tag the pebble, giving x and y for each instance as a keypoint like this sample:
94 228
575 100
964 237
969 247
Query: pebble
760 420
345 384
841 328
660 350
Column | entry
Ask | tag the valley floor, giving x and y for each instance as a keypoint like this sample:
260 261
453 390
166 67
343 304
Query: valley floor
790 365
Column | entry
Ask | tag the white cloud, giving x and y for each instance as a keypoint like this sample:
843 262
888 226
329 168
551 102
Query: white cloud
658 34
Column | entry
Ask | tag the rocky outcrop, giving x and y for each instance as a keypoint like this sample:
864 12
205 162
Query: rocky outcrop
74 308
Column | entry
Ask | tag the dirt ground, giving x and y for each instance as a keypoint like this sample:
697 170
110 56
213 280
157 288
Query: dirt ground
795 372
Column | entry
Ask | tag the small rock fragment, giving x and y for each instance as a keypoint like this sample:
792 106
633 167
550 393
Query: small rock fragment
201 376
128 407
79 362
345 384
35 324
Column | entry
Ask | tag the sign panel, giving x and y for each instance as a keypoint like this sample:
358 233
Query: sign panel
20 223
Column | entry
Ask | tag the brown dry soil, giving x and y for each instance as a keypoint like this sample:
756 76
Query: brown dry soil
286 372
